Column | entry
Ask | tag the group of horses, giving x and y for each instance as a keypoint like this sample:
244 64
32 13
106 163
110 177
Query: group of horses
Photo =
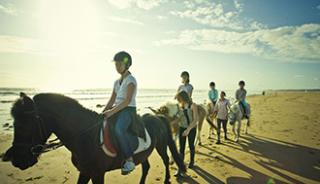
78 128
205 112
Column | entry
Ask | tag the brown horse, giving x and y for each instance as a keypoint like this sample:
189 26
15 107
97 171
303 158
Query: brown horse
78 129
171 111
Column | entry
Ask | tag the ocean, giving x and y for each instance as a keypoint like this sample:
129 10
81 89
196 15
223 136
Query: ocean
90 98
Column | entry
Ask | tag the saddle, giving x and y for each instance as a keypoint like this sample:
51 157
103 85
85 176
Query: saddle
245 109
141 140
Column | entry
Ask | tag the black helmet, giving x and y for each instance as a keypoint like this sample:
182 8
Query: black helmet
185 73
212 84
123 57
242 82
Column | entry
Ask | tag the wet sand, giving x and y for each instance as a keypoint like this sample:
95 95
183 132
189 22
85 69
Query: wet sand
283 146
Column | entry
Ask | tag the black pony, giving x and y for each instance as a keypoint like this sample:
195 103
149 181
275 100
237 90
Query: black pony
78 129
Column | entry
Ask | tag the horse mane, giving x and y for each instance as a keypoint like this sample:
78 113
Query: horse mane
54 101
172 108
60 98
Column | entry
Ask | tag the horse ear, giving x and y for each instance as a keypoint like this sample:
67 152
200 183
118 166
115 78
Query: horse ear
22 95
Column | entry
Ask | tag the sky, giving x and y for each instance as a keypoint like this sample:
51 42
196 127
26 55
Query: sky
69 44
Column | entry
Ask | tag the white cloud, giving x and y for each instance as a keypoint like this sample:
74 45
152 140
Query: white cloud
143 4
238 5
290 43
8 9
298 76
214 15
160 17
125 20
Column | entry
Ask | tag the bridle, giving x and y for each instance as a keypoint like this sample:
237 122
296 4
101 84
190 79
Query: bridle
37 147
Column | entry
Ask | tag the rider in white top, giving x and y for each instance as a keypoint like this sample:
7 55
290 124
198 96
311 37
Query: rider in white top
186 86
123 103
122 89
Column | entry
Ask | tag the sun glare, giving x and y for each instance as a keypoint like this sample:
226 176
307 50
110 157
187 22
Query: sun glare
70 28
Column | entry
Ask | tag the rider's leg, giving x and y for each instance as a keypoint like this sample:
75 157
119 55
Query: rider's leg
182 145
219 121
224 124
121 129
191 139
182 142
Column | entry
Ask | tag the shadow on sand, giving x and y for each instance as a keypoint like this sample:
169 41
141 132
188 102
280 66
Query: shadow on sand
282 158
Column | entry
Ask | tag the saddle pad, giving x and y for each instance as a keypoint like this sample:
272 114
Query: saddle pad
109 148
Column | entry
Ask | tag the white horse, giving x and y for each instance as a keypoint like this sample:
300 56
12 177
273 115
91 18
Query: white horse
236 115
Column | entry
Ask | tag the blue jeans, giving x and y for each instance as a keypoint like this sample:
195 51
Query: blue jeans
123 136
244 106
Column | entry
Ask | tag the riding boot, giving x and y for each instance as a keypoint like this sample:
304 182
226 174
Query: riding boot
191 163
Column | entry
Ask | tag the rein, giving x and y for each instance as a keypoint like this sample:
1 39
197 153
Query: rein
37 149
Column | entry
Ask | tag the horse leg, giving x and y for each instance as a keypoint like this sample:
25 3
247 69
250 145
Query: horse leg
98 179
234 131
162 150
175 137
198 137
83 179
145 169
238 131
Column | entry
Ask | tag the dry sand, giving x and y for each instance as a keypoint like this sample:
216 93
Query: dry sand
283 144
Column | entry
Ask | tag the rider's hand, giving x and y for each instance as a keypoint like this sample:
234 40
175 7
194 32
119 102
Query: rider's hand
186 132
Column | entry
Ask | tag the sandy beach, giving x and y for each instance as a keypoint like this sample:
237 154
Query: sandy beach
283 146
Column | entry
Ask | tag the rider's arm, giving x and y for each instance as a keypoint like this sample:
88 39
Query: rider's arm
125 103
111 101
191 92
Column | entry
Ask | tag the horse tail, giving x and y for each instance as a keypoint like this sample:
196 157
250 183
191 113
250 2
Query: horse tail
172 146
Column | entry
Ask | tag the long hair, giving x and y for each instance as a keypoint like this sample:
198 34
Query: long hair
183 95
186 74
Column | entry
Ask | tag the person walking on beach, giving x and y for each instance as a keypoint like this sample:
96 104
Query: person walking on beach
241 94
187 125
213 94
186 86
123 102
221 111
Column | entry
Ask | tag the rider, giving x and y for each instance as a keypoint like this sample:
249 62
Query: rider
213 94
186 86
241 94
123 102
221 111
188 124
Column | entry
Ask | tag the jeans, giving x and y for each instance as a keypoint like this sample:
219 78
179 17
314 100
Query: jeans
123 136
191 139
224 125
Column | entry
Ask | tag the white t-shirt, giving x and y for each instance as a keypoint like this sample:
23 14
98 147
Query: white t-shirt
122 89
221 108
187 88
